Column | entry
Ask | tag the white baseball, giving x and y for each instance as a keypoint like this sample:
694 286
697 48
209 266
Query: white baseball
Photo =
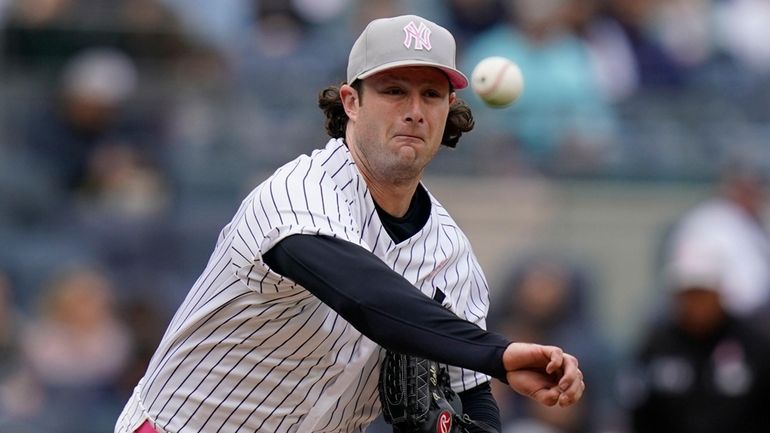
498 81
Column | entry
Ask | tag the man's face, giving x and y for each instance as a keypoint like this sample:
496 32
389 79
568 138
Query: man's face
699 310
397 121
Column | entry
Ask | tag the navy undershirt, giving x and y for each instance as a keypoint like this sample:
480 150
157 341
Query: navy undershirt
403 228
387 306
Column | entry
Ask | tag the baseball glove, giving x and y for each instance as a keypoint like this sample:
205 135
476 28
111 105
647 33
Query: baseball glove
416 396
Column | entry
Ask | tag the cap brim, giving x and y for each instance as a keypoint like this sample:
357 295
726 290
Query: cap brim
457 78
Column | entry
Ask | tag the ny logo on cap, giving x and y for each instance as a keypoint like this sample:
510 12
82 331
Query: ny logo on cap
419 35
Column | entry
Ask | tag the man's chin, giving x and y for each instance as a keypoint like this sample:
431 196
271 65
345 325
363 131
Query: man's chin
402 169
407 154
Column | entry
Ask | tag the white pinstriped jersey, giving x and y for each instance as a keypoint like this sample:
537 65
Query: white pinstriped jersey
249 350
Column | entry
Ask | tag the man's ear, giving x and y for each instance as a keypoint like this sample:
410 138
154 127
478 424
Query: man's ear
452 98
350 100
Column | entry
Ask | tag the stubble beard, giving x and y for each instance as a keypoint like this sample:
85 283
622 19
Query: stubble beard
390 167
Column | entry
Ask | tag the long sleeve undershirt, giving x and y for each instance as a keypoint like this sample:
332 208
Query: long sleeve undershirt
384 306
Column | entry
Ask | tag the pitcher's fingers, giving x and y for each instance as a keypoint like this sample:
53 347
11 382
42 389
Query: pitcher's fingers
534 384
570 372
572 394
556 362
547 396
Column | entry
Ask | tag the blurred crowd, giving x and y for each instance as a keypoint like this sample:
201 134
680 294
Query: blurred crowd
130 129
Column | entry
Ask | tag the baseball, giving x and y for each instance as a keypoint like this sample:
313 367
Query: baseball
498 81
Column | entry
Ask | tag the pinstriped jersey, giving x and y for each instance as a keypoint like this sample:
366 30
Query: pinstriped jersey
250 350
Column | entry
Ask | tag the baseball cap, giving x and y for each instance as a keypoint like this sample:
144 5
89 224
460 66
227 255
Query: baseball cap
100 73
406 40
696 264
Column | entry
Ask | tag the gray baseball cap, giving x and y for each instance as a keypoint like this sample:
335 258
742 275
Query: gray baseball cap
406 40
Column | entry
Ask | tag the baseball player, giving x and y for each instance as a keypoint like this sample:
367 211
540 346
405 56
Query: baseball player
337 256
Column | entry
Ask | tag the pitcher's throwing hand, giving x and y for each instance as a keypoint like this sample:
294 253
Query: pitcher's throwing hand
544 373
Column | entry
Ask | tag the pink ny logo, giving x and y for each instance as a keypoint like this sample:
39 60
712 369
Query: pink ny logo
420 36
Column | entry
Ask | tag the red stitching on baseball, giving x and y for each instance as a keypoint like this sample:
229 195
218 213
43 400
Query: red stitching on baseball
498 79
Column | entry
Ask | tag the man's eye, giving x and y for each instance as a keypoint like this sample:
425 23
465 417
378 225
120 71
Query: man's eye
393 91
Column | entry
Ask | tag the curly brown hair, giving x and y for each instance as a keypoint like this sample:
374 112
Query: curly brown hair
459 119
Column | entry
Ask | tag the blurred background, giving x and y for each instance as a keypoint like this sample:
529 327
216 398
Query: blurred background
130 130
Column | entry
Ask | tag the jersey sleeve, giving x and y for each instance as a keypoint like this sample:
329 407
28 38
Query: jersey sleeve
299 199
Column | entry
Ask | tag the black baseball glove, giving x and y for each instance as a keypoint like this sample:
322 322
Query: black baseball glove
416 397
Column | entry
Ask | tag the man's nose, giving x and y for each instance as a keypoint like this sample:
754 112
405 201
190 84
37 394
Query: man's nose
415 109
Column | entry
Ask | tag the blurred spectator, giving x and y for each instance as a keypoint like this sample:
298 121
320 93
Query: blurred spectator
656 67
78 340
225 22
119 183
546 299
471 17
217 23
100 148
684 29
78 347
731 222
701 370
122 213
88 111
287 51
610 53
741 30
562 119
